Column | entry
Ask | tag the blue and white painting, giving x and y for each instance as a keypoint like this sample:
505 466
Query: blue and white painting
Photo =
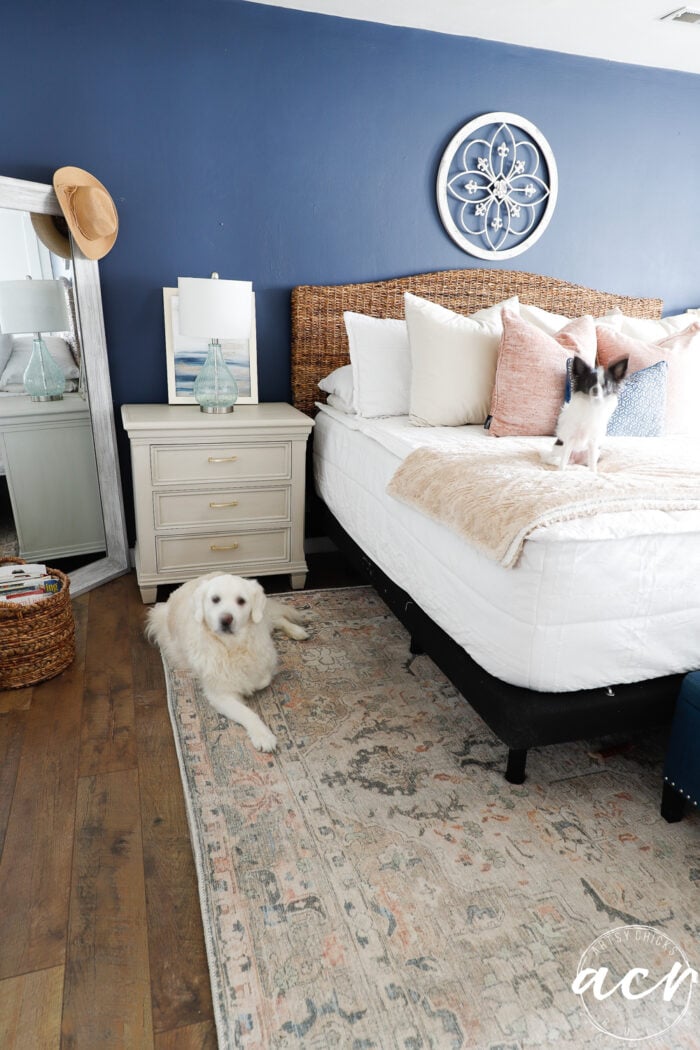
189 361
186 355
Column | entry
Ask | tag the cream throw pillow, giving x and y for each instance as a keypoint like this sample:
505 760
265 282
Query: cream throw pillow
453 361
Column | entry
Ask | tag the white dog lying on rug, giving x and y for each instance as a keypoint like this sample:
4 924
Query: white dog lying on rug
219 627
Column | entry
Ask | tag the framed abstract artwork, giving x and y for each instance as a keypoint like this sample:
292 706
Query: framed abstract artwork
185 355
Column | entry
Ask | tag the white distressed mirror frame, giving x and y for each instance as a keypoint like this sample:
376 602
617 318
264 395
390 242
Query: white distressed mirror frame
39 197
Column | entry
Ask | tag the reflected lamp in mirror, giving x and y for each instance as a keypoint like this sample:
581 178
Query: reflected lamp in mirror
36 307
215 309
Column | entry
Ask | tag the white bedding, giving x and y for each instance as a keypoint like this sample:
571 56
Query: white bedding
591 602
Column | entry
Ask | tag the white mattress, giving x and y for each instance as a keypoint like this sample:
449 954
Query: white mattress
591 603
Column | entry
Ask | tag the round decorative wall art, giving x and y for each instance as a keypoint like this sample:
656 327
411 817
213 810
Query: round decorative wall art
497 186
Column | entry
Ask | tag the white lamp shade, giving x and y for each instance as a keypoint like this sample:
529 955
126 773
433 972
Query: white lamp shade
33 306
215 309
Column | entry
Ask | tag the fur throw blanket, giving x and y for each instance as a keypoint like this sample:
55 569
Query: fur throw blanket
496 499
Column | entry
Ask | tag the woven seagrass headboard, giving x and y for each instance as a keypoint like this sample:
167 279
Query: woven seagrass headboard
319 342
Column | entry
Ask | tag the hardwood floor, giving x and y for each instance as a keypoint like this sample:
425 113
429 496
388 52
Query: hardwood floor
101 944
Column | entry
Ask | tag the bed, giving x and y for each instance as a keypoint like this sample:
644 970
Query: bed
508 638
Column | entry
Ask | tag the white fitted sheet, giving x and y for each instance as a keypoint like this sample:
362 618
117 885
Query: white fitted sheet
591 603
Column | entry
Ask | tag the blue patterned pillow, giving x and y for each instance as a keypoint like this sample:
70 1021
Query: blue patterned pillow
641 405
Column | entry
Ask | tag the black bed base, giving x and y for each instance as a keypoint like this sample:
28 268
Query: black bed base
521 718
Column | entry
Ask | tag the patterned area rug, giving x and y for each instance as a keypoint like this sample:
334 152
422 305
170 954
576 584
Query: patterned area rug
378 884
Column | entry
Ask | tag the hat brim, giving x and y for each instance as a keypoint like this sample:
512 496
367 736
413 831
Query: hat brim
65 181
50 236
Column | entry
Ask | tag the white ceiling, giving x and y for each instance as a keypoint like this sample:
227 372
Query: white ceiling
620 30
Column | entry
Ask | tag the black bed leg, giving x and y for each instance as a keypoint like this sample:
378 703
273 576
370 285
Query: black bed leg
672 804
515 770
415 648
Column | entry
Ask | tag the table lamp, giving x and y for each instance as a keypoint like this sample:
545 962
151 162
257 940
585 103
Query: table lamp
36 306
217 310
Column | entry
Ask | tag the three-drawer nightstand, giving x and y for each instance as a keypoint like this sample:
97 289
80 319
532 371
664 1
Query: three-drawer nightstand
217 491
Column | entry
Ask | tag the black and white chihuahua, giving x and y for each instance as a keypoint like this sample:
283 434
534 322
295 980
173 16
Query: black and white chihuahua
583 419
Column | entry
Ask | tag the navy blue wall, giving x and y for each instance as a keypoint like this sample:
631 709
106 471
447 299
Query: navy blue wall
289 148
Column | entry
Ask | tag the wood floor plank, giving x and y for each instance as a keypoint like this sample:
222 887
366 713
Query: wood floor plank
30 1010
181 993
192 1037
106 998
37 850
11 734
147 668
15 699
107 737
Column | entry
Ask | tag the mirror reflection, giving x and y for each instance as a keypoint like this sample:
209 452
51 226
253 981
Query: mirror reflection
50 508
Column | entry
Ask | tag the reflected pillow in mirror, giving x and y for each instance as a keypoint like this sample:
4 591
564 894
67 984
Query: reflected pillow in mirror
12 377
5 350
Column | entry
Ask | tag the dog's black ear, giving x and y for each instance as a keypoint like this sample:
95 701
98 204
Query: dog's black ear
579 366
618 369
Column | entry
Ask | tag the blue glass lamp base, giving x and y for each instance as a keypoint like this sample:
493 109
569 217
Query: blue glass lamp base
215 389
43 379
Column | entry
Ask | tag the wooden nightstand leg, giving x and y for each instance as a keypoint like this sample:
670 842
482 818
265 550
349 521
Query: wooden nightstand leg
298 581
148 595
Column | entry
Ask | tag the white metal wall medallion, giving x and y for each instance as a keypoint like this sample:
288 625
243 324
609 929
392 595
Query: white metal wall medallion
497 186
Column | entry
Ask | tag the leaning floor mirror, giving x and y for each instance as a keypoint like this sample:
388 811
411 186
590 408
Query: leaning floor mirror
60 490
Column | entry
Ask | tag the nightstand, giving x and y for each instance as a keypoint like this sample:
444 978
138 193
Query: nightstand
219 492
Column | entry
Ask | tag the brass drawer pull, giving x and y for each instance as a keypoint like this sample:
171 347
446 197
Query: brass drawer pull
222 459
217 506
230 547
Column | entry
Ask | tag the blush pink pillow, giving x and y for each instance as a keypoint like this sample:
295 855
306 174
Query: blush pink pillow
531 374
682 352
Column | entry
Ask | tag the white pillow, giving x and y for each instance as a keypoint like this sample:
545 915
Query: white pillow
13 374
341 404
653 330
543 319
552 324
381 364
5 350
453 361
339 383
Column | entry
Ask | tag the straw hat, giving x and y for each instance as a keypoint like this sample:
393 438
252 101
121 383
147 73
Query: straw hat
89 211
52 231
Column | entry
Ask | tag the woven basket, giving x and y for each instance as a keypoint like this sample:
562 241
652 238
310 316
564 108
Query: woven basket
37 641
